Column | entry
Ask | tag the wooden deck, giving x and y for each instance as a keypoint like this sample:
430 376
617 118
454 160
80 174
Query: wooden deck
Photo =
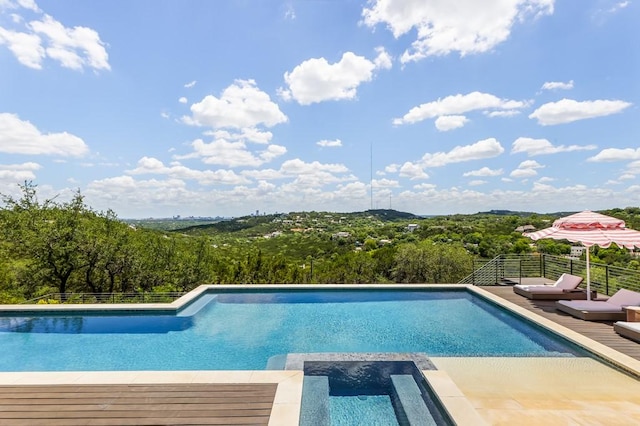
156 404
600 331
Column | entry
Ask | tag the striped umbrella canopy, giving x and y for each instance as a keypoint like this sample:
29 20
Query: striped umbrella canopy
590 229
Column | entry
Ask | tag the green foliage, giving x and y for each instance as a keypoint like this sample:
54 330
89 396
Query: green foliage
431 262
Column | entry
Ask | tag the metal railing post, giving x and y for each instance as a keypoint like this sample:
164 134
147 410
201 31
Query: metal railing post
520 277
571 266
606 275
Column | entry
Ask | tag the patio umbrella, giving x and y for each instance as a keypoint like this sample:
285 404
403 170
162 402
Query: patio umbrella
590 229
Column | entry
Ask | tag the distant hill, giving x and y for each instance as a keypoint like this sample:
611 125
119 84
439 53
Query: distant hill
507 213
391 215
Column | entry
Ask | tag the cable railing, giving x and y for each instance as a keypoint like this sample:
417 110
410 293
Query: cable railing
83 298
511 268
503 269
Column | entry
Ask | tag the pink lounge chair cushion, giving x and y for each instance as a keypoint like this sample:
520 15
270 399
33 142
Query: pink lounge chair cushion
565 282
633 326
546 289
568 282
591 305
625 297
615 303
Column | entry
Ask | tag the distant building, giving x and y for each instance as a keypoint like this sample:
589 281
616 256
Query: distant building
525 228
341 234
576 251
412 227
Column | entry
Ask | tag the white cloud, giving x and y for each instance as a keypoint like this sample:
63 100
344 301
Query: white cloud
131 195
392 168
477 182
545 179
249 134
464 26
530 164
18 173
534 147
272 152
450 122
384 183
629 176
299 167
526 169
568 110
183 100
634 167
486 148
484 172
523 173
22 137
329 143
307 176
17 4
75 48
509 113
150 165
557 85
26 47
383 60
425 187
190 84
240 105
316 80
314 175
232 154
458 104
616 154
413 171
353 190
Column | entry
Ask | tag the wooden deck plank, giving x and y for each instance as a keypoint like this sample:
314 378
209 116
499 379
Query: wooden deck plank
600 331
229 404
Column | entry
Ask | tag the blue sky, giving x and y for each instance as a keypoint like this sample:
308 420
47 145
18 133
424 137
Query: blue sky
161 108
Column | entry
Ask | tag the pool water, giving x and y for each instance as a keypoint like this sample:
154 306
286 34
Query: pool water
373 410
356 391
244 330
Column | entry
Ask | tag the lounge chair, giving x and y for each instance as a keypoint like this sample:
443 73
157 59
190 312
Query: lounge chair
601 310
566 288
629 330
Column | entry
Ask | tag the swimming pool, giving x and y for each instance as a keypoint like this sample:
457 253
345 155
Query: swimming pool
253 329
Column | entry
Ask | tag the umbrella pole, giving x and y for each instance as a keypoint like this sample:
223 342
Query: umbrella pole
588 276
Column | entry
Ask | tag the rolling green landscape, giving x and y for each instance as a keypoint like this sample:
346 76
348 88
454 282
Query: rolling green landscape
50 247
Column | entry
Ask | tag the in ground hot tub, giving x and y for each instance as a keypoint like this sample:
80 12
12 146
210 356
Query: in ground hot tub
357 389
